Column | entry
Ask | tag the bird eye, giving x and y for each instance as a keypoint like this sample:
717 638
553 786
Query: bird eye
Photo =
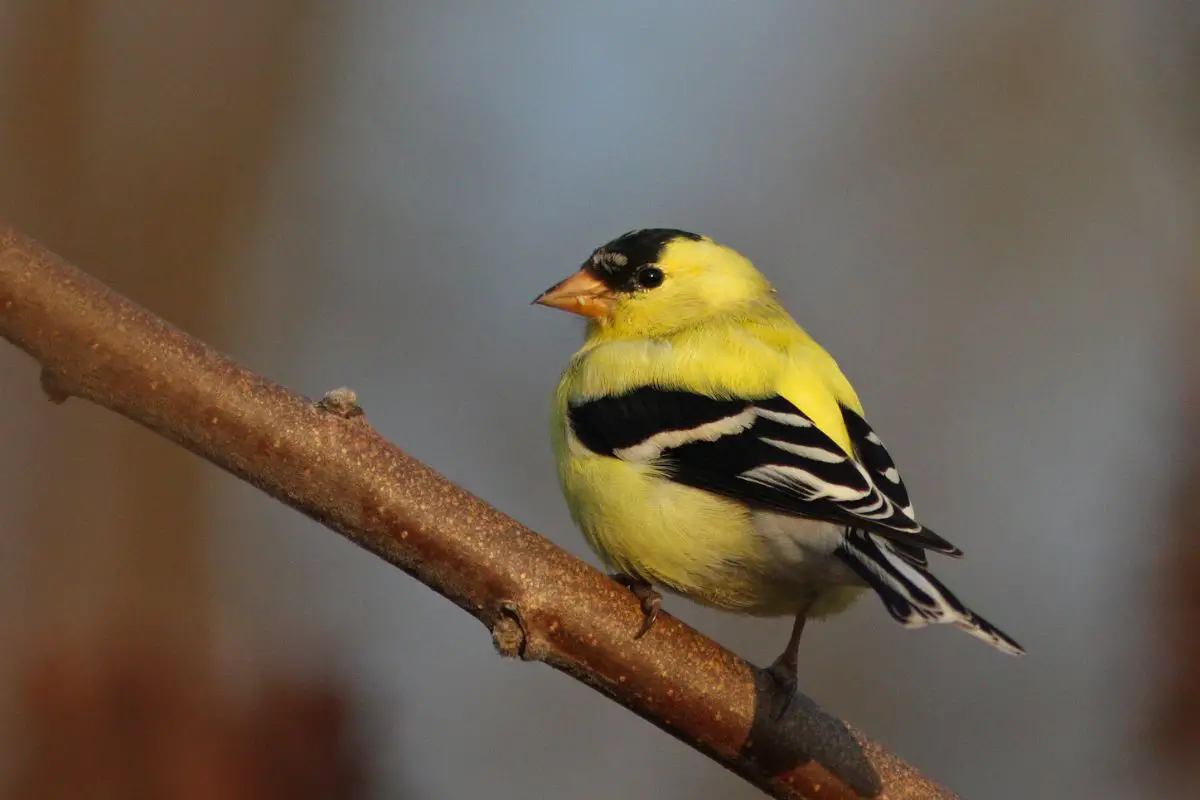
648 277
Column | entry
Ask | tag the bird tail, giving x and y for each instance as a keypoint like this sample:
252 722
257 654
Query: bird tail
913 596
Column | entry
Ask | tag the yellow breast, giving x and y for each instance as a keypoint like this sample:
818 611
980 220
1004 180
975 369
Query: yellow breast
672 535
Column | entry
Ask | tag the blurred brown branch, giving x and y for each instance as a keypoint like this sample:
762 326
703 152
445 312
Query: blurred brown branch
540 603
127 720
1179 695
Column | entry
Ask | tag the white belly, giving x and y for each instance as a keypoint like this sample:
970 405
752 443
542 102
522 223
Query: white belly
800 563
802 550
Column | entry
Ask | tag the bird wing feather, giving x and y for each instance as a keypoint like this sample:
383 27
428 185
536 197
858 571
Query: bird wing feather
763 452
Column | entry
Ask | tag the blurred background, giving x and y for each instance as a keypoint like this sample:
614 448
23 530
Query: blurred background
987 213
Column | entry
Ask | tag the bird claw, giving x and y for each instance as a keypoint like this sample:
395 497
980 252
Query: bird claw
783 673
651 604
651 601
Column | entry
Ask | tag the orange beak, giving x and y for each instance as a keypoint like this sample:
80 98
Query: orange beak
582 294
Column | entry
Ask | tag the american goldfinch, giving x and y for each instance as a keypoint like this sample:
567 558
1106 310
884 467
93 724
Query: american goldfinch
708 446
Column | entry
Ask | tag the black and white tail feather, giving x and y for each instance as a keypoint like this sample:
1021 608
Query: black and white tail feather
911 595
769 455
899 574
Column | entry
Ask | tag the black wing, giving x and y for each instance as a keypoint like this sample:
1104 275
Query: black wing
877 461
765 453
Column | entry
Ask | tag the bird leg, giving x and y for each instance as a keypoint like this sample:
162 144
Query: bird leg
651 600
783 670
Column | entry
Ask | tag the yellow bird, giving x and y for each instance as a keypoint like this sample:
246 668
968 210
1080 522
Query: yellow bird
707 445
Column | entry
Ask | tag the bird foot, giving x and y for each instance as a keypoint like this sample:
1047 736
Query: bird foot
783 673
650 599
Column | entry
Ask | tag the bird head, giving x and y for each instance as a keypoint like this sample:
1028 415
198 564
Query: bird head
654 280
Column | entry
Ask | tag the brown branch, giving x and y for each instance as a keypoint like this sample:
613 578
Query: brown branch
541 603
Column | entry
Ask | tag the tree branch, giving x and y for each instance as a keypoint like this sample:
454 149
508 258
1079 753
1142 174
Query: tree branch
541 603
